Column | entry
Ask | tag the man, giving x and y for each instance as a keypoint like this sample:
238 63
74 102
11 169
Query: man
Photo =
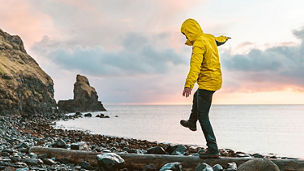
205 69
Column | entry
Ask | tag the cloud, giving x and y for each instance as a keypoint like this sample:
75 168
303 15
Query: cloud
279 67
138 55
103 22
21 18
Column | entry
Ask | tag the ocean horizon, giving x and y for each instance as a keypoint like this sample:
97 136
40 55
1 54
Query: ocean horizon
268 129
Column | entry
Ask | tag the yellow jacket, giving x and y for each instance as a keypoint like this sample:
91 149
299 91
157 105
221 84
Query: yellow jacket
205 68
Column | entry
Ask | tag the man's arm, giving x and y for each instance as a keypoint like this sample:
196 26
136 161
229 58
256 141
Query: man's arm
221 40
195 67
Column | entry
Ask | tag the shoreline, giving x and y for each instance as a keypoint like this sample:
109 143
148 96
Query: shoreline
18 134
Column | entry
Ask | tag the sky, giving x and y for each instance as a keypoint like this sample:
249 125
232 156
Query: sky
132 51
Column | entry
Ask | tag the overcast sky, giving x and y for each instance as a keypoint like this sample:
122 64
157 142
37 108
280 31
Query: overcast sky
132 51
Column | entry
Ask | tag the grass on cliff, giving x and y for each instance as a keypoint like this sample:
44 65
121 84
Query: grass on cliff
1 71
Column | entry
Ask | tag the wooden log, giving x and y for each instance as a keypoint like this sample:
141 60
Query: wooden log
138 161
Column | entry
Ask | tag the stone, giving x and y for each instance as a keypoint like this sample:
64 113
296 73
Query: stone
156 150
231 166
176 150
110 161
23 145
217 167
258 164
22 169
24 87
257 155
102 116
33 161
241 154
88 115
203 167
79 146
48 161
86 165
78 114
59 144
174 166
85 98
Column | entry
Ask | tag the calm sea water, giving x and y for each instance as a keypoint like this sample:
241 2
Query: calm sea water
276 129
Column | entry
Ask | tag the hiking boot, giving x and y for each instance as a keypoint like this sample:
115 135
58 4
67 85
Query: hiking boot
204 154
187 124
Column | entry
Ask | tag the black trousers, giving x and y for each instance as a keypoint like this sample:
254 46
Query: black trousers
202 100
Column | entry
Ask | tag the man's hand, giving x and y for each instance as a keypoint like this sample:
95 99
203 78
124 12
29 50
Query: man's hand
187 91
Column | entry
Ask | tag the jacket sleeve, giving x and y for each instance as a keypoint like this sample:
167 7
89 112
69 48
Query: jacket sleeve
195 65
221 40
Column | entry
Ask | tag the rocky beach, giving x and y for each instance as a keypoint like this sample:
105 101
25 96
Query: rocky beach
18 134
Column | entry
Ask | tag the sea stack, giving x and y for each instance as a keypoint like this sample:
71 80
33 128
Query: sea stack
85 98
24 87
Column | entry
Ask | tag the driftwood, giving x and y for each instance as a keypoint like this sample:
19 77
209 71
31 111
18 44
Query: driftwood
138 161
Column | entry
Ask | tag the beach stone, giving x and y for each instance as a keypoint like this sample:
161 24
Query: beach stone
100 115
23 145
179 150
217 167
42 156
86 165
33 161
156 150
78 114
174 166
9 168
241 154
231 166
258 164
110 161
15 158
203 167
79 146
257 155
48 161
22 169
9 150
59 144
5 154
23 150
88 115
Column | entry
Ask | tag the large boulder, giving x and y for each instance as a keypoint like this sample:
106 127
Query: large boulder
24 87
85 98
258 164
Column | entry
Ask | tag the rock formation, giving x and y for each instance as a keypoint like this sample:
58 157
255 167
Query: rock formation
24 87
85 98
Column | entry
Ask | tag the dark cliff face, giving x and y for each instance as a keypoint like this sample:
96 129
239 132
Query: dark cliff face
85 98
24 87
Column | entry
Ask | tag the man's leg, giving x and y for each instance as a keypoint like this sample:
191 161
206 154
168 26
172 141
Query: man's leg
204 100
193 115
191 123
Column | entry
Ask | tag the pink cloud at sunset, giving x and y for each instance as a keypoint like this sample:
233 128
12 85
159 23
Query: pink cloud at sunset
135 48
20 17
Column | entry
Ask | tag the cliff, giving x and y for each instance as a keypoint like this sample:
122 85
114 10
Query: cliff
24 87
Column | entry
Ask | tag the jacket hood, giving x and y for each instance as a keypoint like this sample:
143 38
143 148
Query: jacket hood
192 30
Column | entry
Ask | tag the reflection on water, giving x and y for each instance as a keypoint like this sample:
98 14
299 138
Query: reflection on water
277 129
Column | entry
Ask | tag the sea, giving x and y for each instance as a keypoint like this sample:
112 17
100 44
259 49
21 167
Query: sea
265 129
